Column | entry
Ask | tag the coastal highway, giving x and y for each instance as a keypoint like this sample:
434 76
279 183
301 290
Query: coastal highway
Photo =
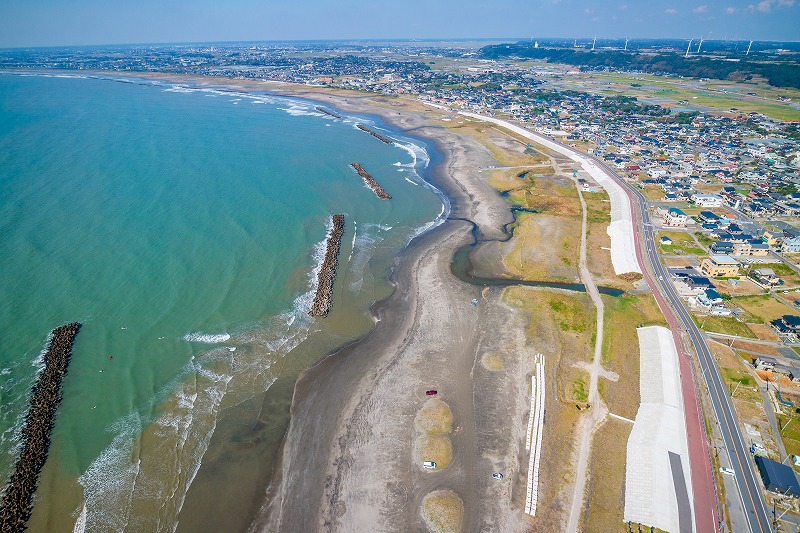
748 485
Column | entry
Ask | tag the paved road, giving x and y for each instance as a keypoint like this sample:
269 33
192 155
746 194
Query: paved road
746 477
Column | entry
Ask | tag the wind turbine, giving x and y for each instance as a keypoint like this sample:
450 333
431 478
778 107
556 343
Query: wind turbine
593 42
626 44
688 47
748 48
699 45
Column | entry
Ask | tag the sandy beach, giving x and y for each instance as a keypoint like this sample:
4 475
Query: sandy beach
349 458
352 456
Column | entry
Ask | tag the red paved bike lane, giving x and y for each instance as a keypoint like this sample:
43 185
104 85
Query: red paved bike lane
703 492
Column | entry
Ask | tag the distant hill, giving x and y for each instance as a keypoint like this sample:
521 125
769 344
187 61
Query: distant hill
780 71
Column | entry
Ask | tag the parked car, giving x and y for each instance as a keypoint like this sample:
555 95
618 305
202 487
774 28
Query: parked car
727 471
497 475
432 392
428 464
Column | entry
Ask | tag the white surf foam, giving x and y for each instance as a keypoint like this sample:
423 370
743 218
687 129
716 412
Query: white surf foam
207 338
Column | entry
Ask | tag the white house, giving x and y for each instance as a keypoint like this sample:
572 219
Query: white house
706 200
675 217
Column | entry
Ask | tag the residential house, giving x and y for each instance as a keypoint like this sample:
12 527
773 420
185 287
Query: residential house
722 247
675 217
720 266
751 247
706 200
765 277
791 245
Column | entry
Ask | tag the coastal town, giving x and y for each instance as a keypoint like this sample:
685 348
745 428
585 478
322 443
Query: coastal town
641 230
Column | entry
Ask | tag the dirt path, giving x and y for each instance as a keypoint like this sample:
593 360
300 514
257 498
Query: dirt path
598 412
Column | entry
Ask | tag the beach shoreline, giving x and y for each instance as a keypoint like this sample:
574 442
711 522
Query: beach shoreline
347 407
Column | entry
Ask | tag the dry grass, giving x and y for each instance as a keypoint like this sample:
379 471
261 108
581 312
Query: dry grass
762 307
563 349
435 417
754 347
727 325
443 511
606 486
598 259
505 148
545 248
764 332
744 287
436 448
621 348
492 361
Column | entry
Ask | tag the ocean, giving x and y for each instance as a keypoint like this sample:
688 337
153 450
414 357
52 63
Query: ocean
183 227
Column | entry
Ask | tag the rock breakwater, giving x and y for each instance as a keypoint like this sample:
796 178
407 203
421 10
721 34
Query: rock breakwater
371 183
327 112
324 295
17 502
374 134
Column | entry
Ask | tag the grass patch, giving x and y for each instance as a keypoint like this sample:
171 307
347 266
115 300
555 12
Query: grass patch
570 314
727 325
579 392
606 484
762 308
492 361
682 244
443 511
436 448
435 417
705 240
621 348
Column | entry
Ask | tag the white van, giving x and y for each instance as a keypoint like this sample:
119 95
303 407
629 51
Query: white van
428 464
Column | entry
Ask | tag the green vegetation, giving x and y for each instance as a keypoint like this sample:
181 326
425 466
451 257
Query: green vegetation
727 325
570 314
579 392
682 244
780 74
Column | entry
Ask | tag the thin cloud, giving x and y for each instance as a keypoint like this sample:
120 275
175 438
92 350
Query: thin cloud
670 11
700 9
765 6
731 10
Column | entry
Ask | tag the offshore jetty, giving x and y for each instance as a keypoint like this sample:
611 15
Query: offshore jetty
371 183
17 502
327 112
374 134
322 299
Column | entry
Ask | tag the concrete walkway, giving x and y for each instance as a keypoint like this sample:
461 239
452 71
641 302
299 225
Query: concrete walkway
773 421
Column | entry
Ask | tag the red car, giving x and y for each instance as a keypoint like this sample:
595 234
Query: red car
431 392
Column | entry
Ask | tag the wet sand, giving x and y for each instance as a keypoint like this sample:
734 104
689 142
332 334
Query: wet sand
348 458
347 461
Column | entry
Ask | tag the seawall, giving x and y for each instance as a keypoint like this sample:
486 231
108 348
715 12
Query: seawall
17 502
371 183
324 295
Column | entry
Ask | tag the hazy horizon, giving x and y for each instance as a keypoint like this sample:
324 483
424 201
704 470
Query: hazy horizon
49 23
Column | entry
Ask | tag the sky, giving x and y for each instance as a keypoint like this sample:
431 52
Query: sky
26 23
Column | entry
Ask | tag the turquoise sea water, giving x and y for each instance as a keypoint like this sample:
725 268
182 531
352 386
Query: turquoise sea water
182 227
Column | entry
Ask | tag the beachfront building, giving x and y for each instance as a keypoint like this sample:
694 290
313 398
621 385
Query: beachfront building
720 266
